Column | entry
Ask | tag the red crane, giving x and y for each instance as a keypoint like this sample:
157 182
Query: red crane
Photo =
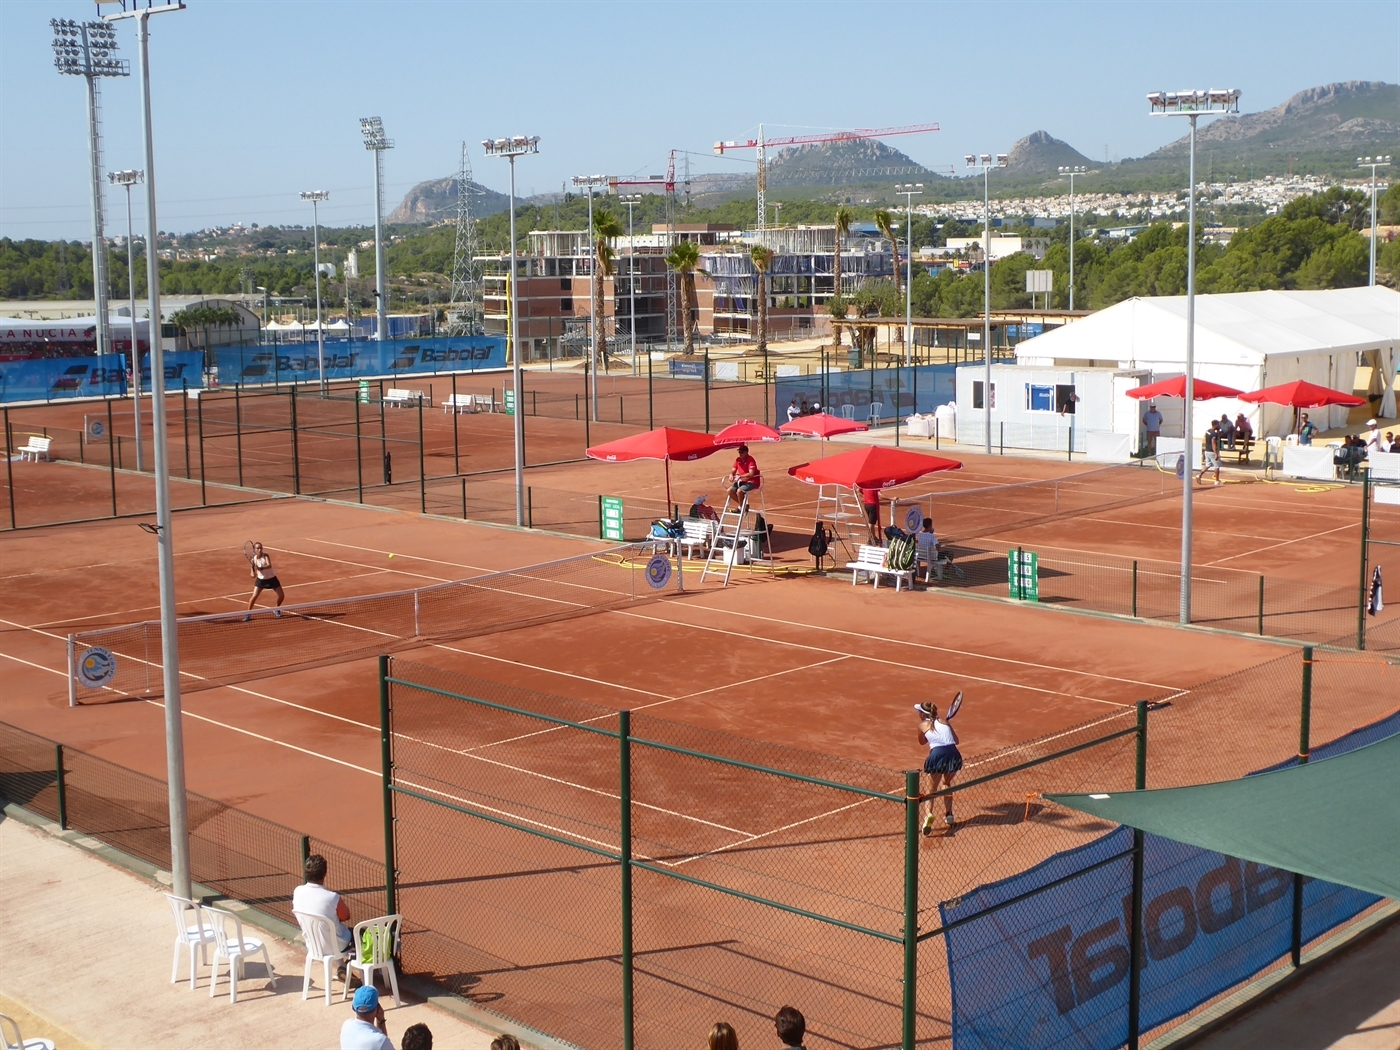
761 144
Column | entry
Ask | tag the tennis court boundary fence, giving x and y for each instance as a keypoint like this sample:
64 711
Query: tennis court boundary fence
121 663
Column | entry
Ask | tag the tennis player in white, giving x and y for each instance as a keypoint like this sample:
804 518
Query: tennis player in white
264 579
943 761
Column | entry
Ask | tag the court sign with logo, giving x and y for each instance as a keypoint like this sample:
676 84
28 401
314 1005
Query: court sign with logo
96 668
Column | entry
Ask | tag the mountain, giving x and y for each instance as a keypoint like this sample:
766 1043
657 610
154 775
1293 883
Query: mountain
1041 154
1357 116
842 163
436 201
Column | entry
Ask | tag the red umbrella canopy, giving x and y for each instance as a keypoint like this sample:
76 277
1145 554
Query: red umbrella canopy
665 443
1302 394
876 467
744 432
1201 390
822 425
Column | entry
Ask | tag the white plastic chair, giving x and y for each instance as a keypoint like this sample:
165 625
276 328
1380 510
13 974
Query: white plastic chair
877 413
18 1042
384 938
188 935
230 944
322 946
848 412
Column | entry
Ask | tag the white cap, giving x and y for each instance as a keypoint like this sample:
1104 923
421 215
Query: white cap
1370 422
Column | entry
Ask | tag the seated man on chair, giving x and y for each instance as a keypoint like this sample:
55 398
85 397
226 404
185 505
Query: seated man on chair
745 476
929 553
313 898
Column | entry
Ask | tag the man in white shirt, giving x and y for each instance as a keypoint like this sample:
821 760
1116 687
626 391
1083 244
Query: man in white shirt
366 1030
313 898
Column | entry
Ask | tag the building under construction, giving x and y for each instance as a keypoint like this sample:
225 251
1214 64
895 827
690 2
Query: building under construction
554 289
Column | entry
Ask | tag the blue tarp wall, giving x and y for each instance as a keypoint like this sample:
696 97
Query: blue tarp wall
1051 970
59 377
352 358
900 391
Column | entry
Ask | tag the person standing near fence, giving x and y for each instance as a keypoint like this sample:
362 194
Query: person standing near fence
943 761
1210 446
1152 427
870 503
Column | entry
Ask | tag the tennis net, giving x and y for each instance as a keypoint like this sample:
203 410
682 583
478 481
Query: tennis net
119 663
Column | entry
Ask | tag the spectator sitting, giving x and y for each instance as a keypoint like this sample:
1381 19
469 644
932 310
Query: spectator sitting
792 1027
793 411
417 1037
722 1037
806 408
816 409
701 508
927 541
1392 443
505 1042
1243 430
313 898
1227 430
366 1030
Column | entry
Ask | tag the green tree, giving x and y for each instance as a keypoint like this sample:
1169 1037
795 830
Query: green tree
843 220
605 229
762 260
884 222
684 259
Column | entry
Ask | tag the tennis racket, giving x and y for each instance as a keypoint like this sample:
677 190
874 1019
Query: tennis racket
250 551
954 707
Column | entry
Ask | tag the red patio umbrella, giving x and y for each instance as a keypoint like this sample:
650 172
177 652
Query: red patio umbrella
663 443
1302 394
822 425
876 467
1201 390
745 431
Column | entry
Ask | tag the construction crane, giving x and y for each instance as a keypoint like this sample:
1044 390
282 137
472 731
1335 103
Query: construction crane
761 145
667 185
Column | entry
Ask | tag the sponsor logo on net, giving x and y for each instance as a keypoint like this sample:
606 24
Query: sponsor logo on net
97 668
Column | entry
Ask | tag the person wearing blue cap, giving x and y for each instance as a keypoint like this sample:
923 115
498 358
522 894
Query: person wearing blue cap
366 1030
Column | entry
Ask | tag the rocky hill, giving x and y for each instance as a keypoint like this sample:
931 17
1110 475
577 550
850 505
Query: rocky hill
842 164
436 201
1041 154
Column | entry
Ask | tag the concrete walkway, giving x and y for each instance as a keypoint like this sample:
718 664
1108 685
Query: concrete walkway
86 962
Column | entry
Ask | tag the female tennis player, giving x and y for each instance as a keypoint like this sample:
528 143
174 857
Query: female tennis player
264 578
944 759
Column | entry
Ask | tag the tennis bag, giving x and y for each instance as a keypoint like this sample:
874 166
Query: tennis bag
664 529
901 553
820 543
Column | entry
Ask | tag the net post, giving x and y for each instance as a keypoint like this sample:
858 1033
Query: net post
1304 749
422 470
296 458
305 850
60 787
909 1006
1261 603
9 468
111 459
1135 574
72 673
1135 952
238 432
624 777
464 499
1365 537
386 765
359 457
199 422
417 629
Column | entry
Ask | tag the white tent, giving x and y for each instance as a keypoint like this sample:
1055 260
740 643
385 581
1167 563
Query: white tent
1247 340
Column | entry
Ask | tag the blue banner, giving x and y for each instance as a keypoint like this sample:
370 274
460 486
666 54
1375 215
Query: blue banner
184 369
1051 969
352 358
687 369
899 391
59 377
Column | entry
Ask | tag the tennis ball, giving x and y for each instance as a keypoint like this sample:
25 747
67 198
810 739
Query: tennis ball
391 555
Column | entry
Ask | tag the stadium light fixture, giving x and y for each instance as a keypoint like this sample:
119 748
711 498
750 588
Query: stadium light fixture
516 146
909 191
1078 169
986 163
129 179
1373 163
1192 105
165 540
316 197
372 128
588 182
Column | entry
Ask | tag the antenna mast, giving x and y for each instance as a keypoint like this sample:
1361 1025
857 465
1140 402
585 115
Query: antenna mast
464 309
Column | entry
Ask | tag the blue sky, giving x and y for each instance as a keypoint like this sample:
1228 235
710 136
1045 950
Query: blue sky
255 100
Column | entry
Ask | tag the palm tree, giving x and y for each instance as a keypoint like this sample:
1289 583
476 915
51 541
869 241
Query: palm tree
762 261
605 228
885 224
684 258
843 230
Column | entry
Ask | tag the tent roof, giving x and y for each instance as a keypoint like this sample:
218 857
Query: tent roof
1234 328
1337 819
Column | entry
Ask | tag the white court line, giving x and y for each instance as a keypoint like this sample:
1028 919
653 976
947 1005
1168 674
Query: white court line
887 663
1285 543
549 670
763 677
376 550
894 641
766 834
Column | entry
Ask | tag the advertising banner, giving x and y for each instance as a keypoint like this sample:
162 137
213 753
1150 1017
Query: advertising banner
352 358
59 377
184 370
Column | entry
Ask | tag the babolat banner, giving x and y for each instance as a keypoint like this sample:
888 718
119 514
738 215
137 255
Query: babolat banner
350 359
184 370
1051 969
899 391
101 375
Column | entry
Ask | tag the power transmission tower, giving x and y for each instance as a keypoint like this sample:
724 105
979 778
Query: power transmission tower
464 310
672 309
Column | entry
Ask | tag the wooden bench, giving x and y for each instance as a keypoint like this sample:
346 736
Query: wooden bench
398 398
870 561
459 403
37 446
1242 447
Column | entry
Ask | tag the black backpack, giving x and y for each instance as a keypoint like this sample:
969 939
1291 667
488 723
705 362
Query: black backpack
901 553
820 542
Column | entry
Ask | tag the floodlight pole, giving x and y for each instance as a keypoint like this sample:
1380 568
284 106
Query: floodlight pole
1071 172
986 162
590 181
165 540
1373 163
1190 104
316 197
128 179
372 128
510 148
909 191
